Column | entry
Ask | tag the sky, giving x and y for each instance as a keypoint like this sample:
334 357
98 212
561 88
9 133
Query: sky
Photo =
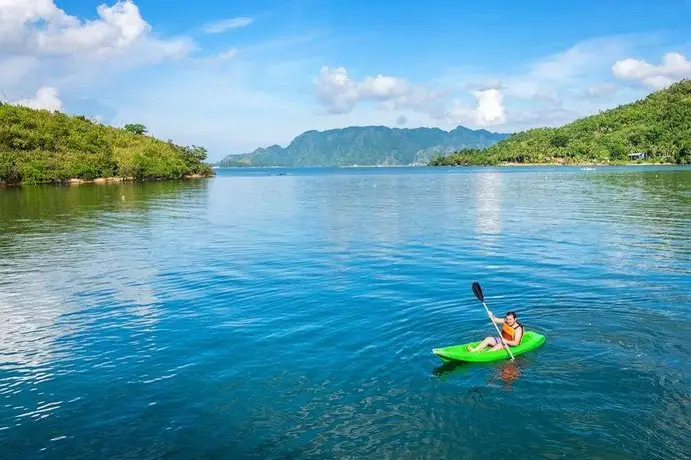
235 76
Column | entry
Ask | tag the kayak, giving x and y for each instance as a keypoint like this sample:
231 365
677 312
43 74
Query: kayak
531 340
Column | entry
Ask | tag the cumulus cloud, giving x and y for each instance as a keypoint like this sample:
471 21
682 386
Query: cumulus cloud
39 27
41 45
674 67
336 90
227 24
46 98
489 109
340 93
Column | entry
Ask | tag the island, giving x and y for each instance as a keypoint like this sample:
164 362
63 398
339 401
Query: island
39 146
656 129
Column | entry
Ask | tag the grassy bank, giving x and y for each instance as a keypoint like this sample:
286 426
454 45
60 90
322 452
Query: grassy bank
38 146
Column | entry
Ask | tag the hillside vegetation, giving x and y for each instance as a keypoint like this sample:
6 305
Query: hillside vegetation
365 145
658 127
39 146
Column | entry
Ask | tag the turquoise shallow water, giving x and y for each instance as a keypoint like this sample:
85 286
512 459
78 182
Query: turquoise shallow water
292 313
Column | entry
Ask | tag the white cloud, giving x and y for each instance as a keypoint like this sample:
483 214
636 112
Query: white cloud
340 94
674 67
39 27
119 27
575 61
14 69
41 45
490 108
227 24
383 87
336 90
46 98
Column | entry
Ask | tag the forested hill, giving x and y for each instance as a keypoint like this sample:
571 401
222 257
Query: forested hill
654 129
40 146
366 145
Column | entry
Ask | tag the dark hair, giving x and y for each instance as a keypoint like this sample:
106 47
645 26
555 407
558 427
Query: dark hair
512 313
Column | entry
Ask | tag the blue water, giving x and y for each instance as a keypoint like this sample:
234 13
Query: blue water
278 314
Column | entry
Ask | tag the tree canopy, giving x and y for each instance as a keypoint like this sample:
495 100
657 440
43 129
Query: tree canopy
135 128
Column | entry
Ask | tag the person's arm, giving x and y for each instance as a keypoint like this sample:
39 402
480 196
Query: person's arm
495 319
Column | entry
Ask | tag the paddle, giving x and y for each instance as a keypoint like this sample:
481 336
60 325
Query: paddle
477 290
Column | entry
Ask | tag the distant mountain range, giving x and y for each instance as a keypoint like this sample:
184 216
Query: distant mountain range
366 145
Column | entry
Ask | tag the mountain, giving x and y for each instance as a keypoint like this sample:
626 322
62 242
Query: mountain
654 129
365 145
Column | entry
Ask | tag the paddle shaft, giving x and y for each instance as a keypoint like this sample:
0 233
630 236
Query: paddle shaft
497 328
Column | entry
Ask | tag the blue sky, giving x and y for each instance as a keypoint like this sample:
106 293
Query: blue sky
234 76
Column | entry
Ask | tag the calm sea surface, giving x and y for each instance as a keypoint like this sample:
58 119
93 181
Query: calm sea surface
279 314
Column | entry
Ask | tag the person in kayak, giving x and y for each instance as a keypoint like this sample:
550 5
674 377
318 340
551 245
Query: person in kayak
511 331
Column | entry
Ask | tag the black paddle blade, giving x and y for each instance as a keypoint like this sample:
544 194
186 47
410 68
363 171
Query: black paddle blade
477 290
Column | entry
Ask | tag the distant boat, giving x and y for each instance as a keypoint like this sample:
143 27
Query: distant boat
588 169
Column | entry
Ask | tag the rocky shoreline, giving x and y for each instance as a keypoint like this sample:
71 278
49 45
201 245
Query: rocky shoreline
109 180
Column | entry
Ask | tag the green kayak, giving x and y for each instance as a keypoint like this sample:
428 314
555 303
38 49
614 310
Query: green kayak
531 340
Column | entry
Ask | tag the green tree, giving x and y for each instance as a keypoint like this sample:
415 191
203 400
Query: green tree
560 140
683 156
135 128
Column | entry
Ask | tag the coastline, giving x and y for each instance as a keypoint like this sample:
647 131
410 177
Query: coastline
503 165
108 180
583 164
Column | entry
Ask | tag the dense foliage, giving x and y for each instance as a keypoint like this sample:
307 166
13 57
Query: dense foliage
365 145
656 129
41 146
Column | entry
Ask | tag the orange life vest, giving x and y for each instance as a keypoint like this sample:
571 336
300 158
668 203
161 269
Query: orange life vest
508 332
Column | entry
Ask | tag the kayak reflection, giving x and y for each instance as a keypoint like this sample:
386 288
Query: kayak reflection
508 373
505 374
